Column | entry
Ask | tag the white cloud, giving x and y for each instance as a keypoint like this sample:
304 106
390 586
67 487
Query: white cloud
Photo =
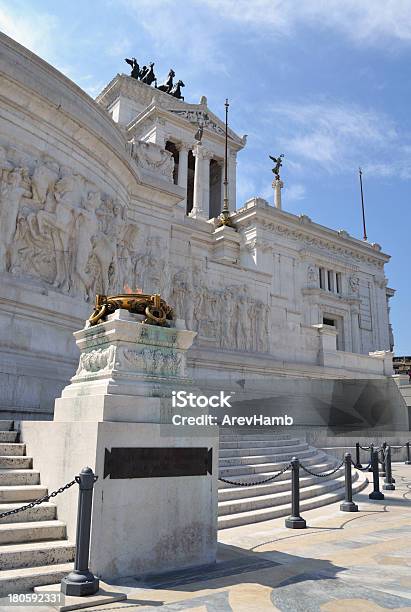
36 31
338 137
364 21
294 192
188 33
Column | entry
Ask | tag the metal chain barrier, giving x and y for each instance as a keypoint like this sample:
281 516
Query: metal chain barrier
324 474
363 469
252 484
40 500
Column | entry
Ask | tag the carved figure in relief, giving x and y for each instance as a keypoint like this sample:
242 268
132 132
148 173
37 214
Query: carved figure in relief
354 283
58 219
242 321
312 275
86 229
43 180
5 165
12 189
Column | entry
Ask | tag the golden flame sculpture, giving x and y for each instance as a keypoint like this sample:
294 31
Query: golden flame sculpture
155 309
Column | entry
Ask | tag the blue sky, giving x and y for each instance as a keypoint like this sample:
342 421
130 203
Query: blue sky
327 82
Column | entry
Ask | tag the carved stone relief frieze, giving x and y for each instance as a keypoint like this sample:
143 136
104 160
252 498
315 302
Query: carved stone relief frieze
58 228
228 316
153 158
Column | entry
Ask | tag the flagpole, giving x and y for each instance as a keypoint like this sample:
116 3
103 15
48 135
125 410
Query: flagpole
362 204
225 213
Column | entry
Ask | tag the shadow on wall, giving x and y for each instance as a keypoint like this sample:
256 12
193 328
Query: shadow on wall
339 405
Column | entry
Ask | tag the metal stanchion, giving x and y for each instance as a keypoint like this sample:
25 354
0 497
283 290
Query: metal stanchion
376 493
348 505
388 483
81 581
371 453
357 455
408 459
295 521
382 465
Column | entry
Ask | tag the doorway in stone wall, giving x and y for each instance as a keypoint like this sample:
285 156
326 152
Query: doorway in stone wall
337 322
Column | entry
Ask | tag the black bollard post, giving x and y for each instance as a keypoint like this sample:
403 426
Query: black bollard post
376 494
357 455
348 504
81 581
382 465
388 483
408 459
371 453
295 521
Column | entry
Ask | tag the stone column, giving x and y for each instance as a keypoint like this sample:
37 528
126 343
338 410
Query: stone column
232 181
277 186
183 171
198 207
355 330
206 183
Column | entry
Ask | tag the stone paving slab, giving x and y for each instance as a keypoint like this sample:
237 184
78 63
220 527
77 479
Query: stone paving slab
340 563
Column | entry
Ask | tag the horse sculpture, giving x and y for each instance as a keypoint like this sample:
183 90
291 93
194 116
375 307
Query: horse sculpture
149 77
135 68
146 75
176 91
168 85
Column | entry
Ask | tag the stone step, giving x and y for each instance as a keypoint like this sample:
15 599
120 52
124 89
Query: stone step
32 554
262 435
260 458
19 477
255 468
43 512
15 533
16 462
280 497
244 444
282 483
244 472
266 514
8 436
6 425
12 449
21 493
24 579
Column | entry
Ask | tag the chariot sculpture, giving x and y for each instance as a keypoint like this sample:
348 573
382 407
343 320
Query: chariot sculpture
155 309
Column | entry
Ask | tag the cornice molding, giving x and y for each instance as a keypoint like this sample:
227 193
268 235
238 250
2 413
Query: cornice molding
302 230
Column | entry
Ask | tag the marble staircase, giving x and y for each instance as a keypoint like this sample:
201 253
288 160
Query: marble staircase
256 455
33 545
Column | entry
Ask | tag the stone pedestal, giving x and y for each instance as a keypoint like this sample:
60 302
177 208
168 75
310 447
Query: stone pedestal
227 244
120 398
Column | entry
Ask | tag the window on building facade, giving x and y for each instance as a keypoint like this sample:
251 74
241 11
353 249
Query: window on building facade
330 280
322 277
338 279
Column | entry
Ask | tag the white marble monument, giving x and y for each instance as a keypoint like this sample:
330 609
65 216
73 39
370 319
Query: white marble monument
100 195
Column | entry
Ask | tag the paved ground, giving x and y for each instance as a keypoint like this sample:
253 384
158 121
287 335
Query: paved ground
357 562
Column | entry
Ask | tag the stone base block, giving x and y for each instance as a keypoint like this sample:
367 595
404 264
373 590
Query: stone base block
139 525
